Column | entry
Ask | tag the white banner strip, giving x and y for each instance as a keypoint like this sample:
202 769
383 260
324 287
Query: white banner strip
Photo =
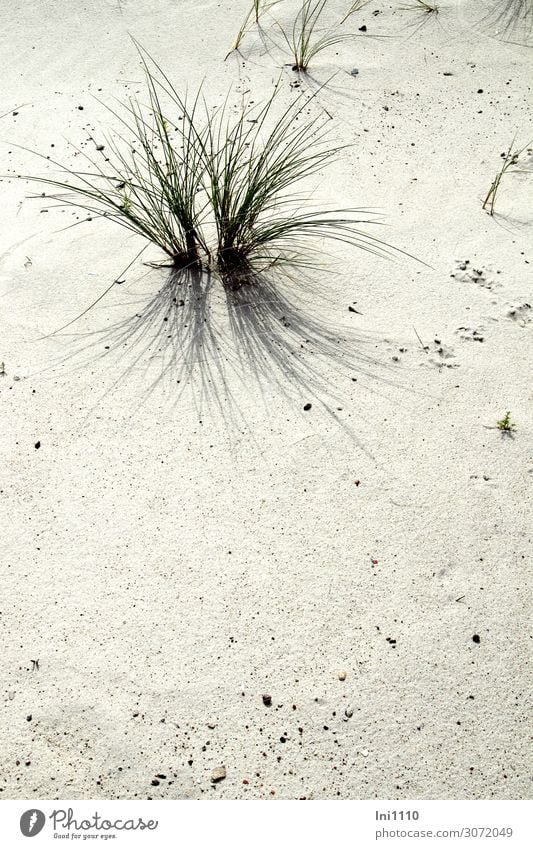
267 825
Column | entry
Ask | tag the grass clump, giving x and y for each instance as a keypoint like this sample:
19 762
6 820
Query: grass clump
251 176
505 425
305 40
150 183
306 37
216 189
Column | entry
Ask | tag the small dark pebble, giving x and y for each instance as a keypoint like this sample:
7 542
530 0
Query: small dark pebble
38 444
363 28
155 783
354 72
282 739
476 638
160 775
29 718
267 700
480 91
307 406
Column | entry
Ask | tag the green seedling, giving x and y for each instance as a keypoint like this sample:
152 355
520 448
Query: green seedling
505 425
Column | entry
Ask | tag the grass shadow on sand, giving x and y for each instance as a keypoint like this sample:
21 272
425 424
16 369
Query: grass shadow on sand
509 21
228 345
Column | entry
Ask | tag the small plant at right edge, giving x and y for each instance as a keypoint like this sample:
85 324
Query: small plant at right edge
505 425
510 158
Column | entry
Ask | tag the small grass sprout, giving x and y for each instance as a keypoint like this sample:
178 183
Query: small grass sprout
505 425
509 159
304 39
257 9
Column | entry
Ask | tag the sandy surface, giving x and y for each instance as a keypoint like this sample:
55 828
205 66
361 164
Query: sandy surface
174 550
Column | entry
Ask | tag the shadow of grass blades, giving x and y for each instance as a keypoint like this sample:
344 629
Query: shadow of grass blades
222 348
512 20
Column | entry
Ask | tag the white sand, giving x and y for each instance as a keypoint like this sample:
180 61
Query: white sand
173 551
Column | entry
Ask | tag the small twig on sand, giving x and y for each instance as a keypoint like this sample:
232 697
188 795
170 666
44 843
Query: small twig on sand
424 347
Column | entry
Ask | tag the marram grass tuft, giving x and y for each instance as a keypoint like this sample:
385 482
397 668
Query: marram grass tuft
217 189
